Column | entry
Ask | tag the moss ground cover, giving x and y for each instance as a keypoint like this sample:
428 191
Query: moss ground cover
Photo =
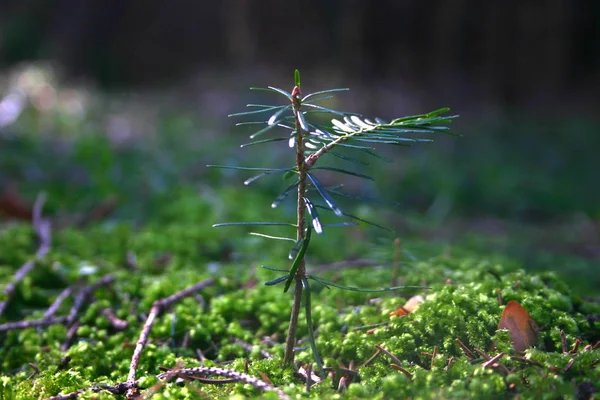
159 242
240 324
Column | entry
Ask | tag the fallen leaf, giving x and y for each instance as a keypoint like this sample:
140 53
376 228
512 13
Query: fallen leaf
411 305
523 329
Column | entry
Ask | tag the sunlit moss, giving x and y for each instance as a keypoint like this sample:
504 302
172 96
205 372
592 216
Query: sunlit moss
462 302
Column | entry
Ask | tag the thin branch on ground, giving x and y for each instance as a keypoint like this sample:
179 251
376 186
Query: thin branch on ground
157 308
49 319
172 372
115 321
42 230
465 349
483 354
370 359
34 323
204 372
57 302
249 348
118 389
85 293
70 336
401 369
390 355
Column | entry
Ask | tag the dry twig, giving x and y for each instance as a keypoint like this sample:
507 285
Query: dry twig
401 369
70 336
569 365
117 389
249 347
57 302
157 307
464 348
42 230
34 323
563 341
490 363
370 359
204 372
84 294
483 354
116 322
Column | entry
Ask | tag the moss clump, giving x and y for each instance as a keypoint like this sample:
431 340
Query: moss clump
177 250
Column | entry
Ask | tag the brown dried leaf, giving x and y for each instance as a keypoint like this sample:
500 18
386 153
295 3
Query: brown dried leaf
411 305
522 328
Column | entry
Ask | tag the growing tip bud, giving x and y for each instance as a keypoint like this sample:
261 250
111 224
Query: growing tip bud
296 96
296 92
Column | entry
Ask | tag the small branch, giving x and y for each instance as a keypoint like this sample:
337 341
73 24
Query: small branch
84 294
465 349
249 347
527 361
42 230
157 307
312 159
72 395
34 323
10 288
117 389
70 335
57 302
483 354
172 372
390 355
450 361
401 369
499 296
563 341
489 363
569 365
117 323
370 359
575 346
204 372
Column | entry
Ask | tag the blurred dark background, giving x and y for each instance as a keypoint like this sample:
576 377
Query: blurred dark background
511 53
524 76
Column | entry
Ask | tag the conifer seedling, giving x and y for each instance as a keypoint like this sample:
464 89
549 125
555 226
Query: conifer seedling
310 142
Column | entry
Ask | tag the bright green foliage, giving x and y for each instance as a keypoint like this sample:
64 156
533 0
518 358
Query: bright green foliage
461 303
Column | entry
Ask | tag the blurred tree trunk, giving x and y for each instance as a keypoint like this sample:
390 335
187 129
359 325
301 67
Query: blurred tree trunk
240 40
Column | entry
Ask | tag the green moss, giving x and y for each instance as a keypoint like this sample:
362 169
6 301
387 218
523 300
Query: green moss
179 249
